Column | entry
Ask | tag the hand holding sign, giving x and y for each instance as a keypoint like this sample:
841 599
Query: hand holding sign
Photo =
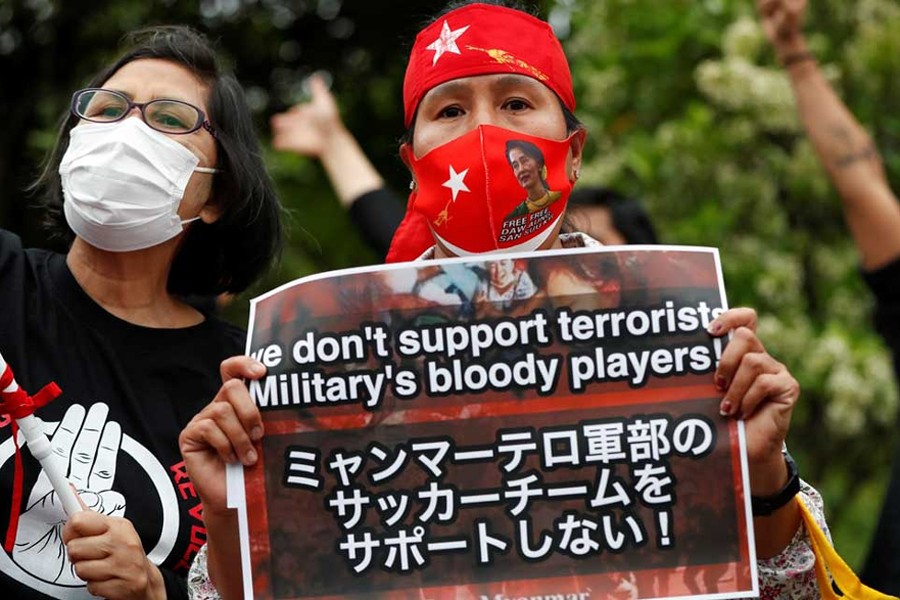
223 431
762 391
219 434
757 387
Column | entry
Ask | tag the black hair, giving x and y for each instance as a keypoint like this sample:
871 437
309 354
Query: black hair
627 214
231 253
527 147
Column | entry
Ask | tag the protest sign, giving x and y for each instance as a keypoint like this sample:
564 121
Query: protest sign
517 426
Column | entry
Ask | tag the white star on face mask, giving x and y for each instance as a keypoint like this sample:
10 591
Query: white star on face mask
446 42
457 183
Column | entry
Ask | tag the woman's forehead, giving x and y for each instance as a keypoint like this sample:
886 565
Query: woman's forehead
487 84
150 78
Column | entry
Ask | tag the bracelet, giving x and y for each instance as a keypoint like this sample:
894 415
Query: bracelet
797 57
766 505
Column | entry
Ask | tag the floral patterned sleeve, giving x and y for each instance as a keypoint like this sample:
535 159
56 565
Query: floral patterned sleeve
791 574
199 585
788 576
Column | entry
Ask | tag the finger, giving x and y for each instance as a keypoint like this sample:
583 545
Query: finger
241 367
732 319
236 394
318 88
78 497
766 7
783 25
87 548
85 449
275 123
206 433
103 471
752 365
282 121
226 419
772 388
85 524
795 7
96 573
742 341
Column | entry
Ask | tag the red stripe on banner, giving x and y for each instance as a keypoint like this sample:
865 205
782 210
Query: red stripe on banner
16 506
294 424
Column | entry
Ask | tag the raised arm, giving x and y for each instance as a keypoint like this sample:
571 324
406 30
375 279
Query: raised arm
316 129
843 146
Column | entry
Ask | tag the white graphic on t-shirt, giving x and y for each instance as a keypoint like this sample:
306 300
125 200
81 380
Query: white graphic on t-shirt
89 444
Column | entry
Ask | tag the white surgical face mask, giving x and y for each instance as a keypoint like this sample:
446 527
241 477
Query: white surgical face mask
122 183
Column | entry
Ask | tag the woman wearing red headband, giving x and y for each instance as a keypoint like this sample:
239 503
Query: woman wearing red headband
478 77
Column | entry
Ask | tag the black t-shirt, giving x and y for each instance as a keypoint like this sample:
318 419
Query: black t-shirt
885 284
882 568
127 392
377 214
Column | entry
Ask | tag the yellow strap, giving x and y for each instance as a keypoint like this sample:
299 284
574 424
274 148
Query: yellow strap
828 561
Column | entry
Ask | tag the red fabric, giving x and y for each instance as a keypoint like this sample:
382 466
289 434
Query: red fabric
481 39
17 493
411 238
6 378
18 404
471 194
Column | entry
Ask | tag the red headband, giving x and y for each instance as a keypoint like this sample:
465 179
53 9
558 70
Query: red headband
482 39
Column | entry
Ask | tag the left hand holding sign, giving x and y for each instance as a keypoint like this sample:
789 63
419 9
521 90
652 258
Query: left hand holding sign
760 390
223 432
220 433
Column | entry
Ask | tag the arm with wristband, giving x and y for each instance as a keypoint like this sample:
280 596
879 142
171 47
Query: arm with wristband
872 212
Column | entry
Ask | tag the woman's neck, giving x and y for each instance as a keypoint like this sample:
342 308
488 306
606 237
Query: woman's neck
131 285
537 192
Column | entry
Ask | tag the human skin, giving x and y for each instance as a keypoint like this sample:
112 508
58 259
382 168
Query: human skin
315 129
514 102
133 285
526 170
105 550
502 273
755 386
843 146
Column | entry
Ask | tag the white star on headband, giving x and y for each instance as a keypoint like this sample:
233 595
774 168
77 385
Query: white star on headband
456 182
446 42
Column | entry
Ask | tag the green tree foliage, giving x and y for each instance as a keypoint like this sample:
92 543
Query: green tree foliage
688 111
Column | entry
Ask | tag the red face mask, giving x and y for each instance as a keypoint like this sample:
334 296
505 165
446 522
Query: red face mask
492 189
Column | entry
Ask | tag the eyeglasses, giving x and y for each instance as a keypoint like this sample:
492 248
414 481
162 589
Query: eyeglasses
168 116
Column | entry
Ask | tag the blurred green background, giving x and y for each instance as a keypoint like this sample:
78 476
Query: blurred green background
686 110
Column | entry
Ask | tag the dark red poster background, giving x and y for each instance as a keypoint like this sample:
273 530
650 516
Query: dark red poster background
295 536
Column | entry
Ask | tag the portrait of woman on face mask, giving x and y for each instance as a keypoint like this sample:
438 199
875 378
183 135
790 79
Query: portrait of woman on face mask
527 162
156 186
